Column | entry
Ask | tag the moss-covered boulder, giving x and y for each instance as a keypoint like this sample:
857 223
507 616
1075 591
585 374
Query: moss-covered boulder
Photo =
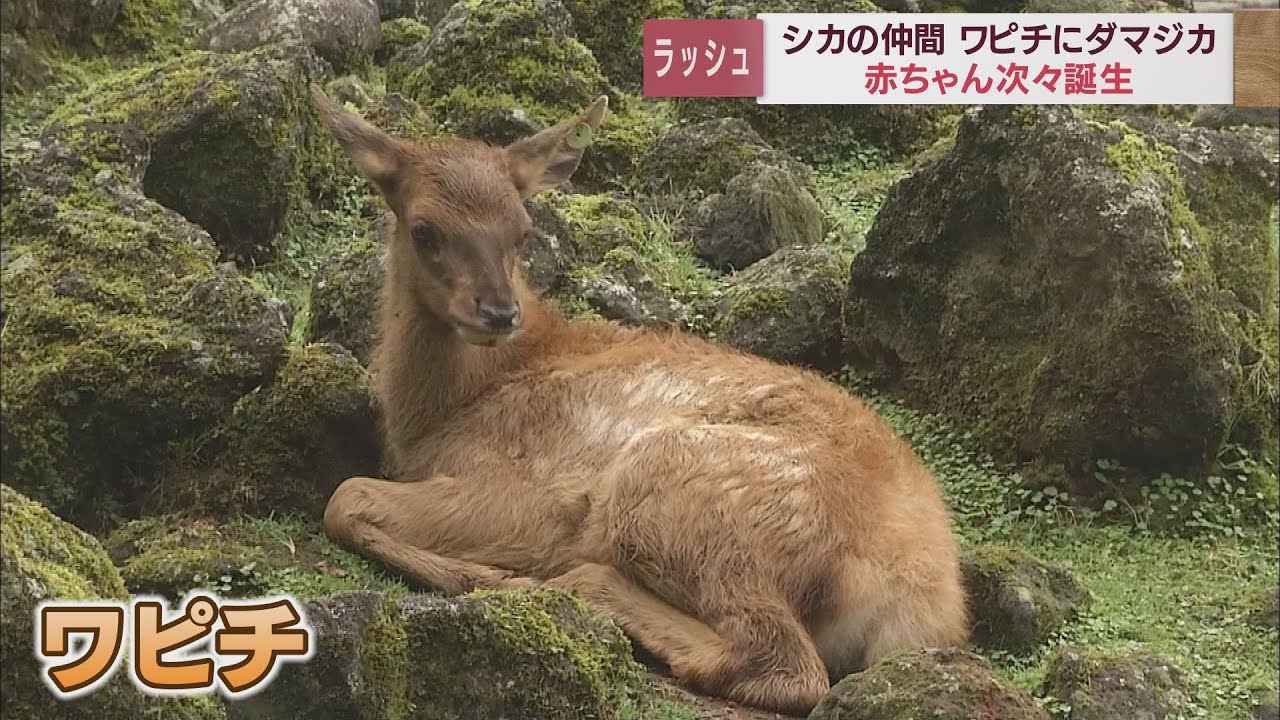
1110 686
240 557
761 210
937 684
1017 601
343 32
125 339
130 342
75 21
428 12
533 65
399 34
524 85
552 251
1078 290
622 291
344 298
26 67
631 265
613 30
521 655
701 158
228 141
43 558
285 447
787 307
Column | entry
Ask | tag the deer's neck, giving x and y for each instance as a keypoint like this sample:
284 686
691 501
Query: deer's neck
424 371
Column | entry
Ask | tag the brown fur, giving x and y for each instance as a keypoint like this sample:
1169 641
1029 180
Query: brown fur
751 524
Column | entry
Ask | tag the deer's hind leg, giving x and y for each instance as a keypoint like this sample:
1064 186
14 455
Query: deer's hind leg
402 525
760 656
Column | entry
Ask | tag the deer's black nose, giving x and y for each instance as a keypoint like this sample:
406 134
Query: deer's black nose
498 317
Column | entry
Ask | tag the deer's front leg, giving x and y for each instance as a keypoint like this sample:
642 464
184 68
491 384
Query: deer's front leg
407 526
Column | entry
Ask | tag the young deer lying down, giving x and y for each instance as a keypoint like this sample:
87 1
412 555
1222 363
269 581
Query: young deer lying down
750 524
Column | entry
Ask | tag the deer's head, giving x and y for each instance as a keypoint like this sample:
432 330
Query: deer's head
460 219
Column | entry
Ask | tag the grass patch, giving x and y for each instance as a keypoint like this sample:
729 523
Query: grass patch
851 190
1184 598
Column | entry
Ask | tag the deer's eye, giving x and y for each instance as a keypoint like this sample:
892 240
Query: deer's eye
427 236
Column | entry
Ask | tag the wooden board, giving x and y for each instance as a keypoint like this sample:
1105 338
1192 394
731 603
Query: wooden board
1257 58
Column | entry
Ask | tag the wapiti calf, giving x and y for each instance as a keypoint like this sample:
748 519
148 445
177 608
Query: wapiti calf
750 524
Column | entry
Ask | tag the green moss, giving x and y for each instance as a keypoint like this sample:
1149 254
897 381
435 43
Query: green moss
1103 684
750 303
701 158
612 234
939 684
1219 240
386 668
67 563
286 446
548 73
44 558
129 345
1018 600
631 129
398 34
612 29
95 384
522 655
151 25
242 557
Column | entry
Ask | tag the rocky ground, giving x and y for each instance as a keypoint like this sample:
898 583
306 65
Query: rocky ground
1070 314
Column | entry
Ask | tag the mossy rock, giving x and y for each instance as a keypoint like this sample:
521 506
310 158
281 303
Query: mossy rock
521 655
74 21
157 28
228 141
1077 290
428 12
760 210
549 255
531 62
124 342
613 30
43 558
241 557
787 307
936 684
344 299
130 344
1017 601
343 32
398 34
1116 686
26 65
285 447
630 265
701 158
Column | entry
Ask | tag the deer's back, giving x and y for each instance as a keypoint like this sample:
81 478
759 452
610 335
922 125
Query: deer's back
568 416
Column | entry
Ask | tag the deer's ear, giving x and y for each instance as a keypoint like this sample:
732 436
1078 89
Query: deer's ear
379 156
547 159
